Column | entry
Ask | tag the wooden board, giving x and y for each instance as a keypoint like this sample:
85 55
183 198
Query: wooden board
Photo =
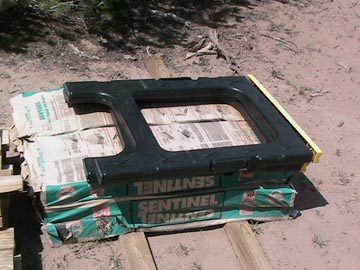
157 68
246 247
5 137
4 211
138 252
4 145
6 170
10 183
1 153
7 239
6 259
7 246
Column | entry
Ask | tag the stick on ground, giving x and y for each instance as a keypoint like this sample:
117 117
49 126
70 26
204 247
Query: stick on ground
284 42
213 37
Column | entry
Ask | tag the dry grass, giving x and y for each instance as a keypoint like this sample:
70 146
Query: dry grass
319 241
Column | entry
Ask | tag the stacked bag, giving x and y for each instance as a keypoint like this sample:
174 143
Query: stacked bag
56 138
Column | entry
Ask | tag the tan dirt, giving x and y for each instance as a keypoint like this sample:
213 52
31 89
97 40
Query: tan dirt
314 72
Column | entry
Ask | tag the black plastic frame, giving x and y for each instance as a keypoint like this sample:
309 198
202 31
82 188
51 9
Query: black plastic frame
143 158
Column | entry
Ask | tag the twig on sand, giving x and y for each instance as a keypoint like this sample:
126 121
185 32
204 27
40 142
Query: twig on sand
317 94
82 54
208 49
213 37
284 42
237 35
346 68
353 4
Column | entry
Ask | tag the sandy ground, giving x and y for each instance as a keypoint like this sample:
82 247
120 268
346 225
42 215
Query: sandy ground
313 71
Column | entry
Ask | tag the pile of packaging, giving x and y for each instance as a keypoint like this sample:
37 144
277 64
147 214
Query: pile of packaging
55 139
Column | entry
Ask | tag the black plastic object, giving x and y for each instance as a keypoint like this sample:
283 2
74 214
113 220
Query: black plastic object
143 158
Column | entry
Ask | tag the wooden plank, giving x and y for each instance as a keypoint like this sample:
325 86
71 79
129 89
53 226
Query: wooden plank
5 137
138 252
4 211
7 259
4 145
1 154
10 183
7 170
157 68
246 247
1 216
7 239
7 245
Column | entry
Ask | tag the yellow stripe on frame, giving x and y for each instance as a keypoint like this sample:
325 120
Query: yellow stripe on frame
316 150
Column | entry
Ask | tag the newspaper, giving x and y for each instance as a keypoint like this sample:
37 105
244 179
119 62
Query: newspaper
58 159
47 113
195 113
199 127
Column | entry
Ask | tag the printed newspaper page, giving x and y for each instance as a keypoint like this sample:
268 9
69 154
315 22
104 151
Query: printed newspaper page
58 159
47 113
199 127
196 113
191 136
